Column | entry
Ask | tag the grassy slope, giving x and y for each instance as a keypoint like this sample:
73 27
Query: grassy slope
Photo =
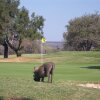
80 66
71 69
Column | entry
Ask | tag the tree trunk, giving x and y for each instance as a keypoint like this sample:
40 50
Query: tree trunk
5 50
18 54
15 48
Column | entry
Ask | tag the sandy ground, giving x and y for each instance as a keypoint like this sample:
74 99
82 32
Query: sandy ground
90 85
20 59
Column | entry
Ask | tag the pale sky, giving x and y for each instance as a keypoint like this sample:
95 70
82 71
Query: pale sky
58 13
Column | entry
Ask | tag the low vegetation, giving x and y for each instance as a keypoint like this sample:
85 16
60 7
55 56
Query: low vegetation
72 68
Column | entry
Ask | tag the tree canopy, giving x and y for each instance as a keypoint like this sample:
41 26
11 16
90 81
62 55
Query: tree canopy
15 25
83 32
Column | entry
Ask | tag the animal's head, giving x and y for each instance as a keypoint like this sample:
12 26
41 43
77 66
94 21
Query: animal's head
36 75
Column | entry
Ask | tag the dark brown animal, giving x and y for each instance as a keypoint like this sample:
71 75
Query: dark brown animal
45 70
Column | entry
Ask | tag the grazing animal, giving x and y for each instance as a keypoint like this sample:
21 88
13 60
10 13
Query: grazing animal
45 70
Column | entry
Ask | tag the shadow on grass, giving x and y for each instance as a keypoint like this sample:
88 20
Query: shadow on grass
92 67
15 98
2 98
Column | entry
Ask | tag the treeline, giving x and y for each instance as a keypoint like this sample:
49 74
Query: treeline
29 47
83 33
36 47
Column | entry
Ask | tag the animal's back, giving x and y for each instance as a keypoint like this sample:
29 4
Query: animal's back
48 67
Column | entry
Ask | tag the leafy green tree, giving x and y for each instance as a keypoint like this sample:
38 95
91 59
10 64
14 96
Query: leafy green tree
25 27
83 32
35 28
19 29
7 15
15 25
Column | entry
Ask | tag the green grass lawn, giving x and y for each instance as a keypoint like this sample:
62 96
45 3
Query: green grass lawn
72 68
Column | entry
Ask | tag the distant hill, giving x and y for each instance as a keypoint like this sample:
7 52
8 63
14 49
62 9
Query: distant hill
54 44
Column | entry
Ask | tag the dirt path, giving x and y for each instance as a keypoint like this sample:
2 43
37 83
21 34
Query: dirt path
19 59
